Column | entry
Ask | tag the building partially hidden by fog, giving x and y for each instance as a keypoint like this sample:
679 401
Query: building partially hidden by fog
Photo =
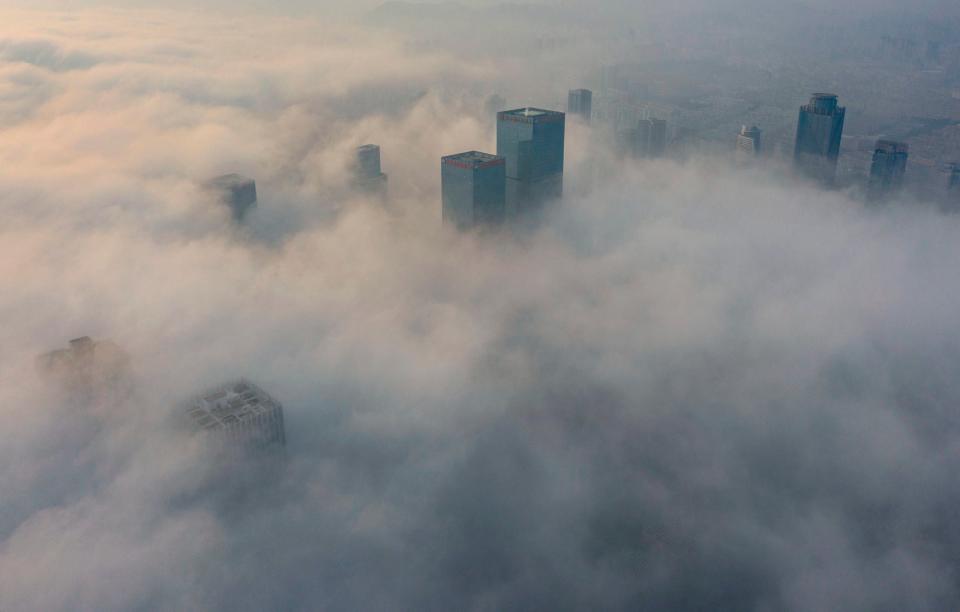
368 175
473 186
237 192
953 179
531 142
87 367
494 104
887 169
819 130
646 139
952 201
580 104
749 143
238 416
658 137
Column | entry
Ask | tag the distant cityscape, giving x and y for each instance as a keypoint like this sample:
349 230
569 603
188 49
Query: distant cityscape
518 182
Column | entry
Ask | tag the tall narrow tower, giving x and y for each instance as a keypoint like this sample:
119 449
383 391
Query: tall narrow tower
366 172
952 202
580 104
749 143
819 129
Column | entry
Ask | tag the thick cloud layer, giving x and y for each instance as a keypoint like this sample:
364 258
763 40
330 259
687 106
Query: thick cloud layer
696 387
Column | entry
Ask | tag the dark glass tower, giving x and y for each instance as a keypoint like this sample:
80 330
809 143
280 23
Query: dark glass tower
473 187
531 142
819 129
658 137
887 170
952 202
953 182
367 174
580 103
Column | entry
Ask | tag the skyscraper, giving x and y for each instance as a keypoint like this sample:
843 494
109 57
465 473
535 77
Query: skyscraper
658 138
635 142
749 143
580 103
239 416
952 202
648 138
531 142
367 173
887 170
819 129
87 368
473 186
237 192
953 181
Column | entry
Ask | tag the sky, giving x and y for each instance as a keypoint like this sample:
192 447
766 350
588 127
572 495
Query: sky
696 386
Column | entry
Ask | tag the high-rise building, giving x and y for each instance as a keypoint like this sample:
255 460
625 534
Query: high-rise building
953 181
531 142
239 416
952 201
635 142
749 143
367 172
819 130
658 137
647 138
237 192
473 186
888 167
580 103
87 368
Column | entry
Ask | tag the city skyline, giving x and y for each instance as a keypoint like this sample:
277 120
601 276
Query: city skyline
687 378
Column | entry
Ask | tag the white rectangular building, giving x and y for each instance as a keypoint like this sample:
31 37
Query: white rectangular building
240 414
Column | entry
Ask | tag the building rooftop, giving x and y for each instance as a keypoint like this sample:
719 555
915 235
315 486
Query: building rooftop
368 147
472 159
531 114
823 104
230 403
892 146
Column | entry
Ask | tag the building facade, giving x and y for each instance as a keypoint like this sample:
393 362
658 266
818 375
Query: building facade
887 169
367 173
473 189
531 142
580 104
819 130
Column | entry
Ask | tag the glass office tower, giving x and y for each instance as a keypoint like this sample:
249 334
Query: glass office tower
819 129
473 186
887 169
531 142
